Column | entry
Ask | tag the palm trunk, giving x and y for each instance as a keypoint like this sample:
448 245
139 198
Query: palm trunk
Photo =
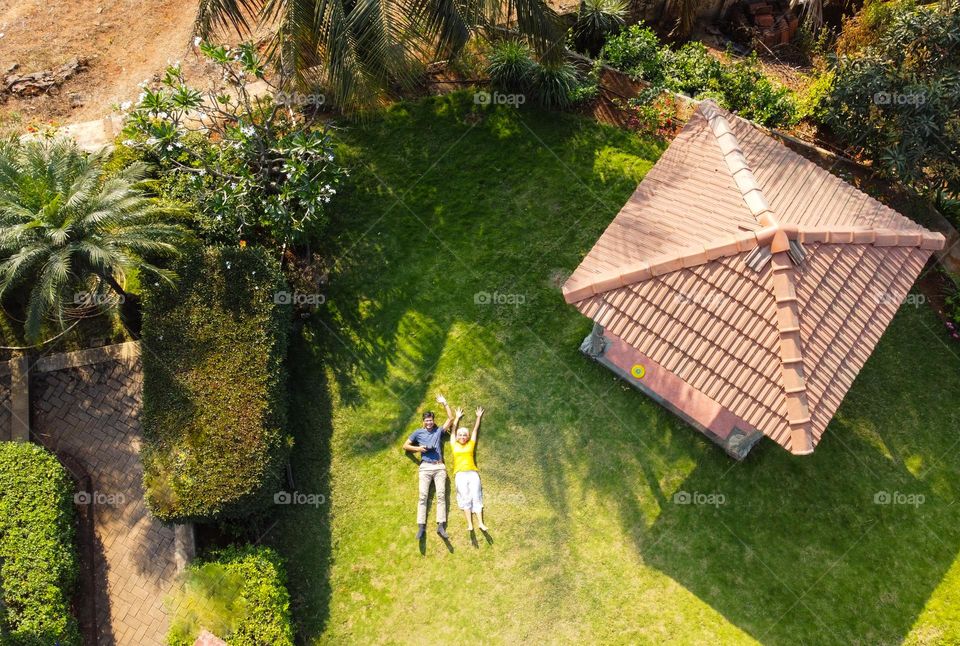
114 285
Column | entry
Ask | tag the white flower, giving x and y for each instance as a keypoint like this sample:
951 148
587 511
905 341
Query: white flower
228 264
169 148
196 41
125 105
203 171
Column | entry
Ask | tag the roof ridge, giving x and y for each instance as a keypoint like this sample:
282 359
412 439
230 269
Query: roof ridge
743 241
793 379
777 236
736 161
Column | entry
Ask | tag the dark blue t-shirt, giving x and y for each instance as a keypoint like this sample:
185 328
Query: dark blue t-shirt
432 440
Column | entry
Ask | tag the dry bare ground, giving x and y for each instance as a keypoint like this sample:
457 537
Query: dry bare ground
123 41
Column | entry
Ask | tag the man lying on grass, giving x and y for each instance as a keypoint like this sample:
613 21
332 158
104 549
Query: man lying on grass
466 477
428 442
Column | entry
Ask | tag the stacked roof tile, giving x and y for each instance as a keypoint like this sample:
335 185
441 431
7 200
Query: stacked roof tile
756 277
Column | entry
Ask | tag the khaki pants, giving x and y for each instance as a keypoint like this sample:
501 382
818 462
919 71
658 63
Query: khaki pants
437 474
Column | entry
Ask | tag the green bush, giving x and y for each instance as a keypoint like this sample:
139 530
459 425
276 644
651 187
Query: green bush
812 102
214 386
38 564
691 70
897 102
740 86
749 93
636 51
238 595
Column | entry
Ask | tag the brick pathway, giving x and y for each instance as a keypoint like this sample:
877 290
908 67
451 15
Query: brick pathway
92 412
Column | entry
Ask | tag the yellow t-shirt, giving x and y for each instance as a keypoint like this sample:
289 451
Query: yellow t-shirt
463 456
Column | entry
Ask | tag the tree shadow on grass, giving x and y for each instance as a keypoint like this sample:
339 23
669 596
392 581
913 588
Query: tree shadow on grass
303 533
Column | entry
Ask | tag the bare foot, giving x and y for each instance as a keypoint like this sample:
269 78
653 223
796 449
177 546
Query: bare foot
482 527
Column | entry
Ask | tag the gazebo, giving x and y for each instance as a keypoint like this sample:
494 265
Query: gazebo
743 286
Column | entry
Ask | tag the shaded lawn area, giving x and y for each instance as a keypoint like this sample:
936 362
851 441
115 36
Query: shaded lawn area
579 470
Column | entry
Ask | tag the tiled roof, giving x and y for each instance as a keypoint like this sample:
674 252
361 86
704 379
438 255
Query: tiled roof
752 274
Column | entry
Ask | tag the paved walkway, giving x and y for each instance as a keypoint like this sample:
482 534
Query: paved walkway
93 413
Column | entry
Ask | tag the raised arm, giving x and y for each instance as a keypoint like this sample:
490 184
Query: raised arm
457 416
476 425
445 427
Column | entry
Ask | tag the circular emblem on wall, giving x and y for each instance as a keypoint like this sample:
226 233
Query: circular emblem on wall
638 371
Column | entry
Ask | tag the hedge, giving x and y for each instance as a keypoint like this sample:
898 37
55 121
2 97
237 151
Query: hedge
38 561
239 595
214 391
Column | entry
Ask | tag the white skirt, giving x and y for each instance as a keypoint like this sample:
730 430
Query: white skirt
469 493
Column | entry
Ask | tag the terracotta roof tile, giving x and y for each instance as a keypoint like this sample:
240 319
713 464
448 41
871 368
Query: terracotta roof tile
778 347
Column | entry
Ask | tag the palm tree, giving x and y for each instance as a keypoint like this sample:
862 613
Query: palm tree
67 229
356 49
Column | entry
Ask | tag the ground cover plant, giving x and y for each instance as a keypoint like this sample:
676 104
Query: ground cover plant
38 561
459 224
237 594
214 398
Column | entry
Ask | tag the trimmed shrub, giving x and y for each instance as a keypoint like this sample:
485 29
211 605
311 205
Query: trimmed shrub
239 595
38 563
214 393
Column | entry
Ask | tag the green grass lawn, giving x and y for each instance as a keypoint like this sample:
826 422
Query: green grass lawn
579 470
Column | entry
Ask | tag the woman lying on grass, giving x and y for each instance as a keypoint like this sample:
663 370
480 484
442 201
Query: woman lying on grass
463 443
